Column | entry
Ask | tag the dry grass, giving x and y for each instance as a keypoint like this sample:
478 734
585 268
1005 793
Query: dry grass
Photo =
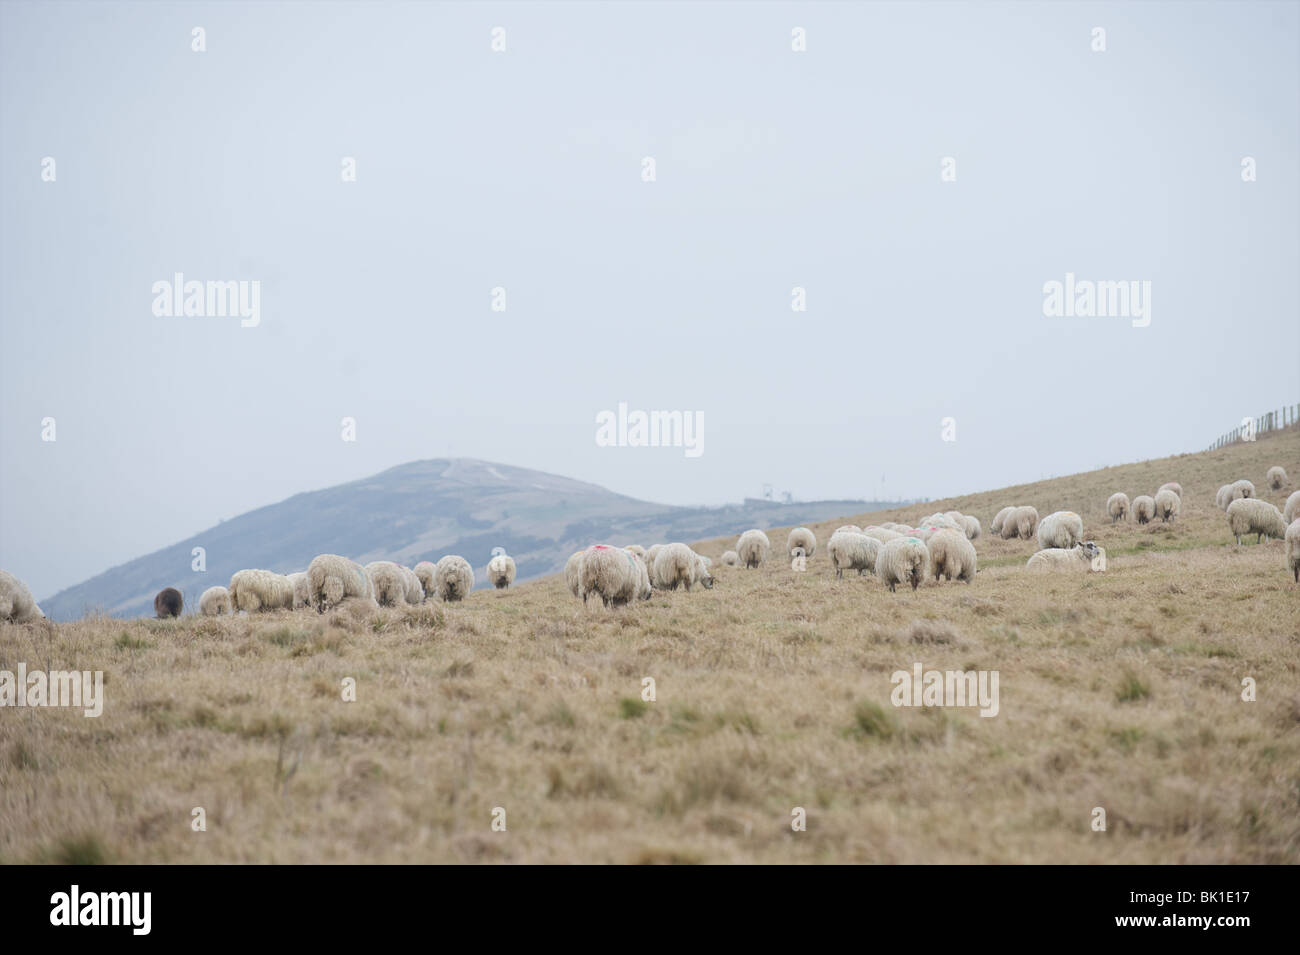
1119 690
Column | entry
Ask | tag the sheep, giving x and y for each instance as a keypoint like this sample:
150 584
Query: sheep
1223 497
1117 506
1144 508
1171 486
617 575
1167 505
332 579
852 551
952 555
1021 522
973 529
1078 557
883 534
677 565
730 558
1242 488
424 574
414 588
958 519
944 521
1292 509
501 569
16 603
301 589
905 560
999 519
1276 478
848 527
256 590
651 553
168 603
636 549
1253 516
1293 548
573 572
387 582
804 538
214 602
752 547
453 577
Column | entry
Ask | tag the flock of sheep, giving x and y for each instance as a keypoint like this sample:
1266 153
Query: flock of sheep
940 546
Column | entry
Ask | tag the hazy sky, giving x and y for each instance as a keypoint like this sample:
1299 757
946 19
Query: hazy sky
523 169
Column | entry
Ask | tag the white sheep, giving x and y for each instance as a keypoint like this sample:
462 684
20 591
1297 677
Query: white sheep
883 534
943 521
905 560
258 590
16 603
1167 505
388 583
453 577
1144 508
573 572
1242 489
1078 557
501 570
848 527
849 550
1117 506
301 589
804 538
730 558
1250 515
414 586
636 549
676 565
753 547
952 555
424 574
332 579
999 519
1276 478
1171 486
616 575
1292 509
1293 548
214 602
651 553
1223 497
973 528
1021 522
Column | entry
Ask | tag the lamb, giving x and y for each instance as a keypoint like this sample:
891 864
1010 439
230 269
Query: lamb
168 603
332 579
952 555
973 529
1021 522
501 569
257 590
999 519
16 603
730 558
1144 508
804 538
1242 488
1171 486
852 551
214 602
1253 516
752 547
1276 478
453 577
617 575
905 560
1293 548
301 590
1292 509
677 565
573 572
1167 505
424 574
1117 506
1078 557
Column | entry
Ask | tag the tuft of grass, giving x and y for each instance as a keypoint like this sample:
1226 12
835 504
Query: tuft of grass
126 641
631 708
873 721
1131 689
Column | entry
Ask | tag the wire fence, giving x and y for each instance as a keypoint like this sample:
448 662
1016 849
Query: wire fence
1251 428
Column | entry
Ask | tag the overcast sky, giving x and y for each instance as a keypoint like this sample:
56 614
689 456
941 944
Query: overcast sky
523 169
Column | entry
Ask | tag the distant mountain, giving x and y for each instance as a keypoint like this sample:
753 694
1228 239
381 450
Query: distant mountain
421 511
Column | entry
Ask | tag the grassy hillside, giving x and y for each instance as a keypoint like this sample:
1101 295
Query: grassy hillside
1119 690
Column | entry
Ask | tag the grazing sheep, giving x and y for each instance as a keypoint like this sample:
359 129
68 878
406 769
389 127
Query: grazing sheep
973 529
424 574
1293 548
730 558
1292 509
453 577
1241 489
1276 478
1171 486
573 572
1144 508
617 575
849 550
848 527
501 569
677 565
301 589
752 547
943 521
1253 516
388 583
168 603
1223 497
636 549
801 537
999 519
1078 557
1167 505
16 603
257 590
905 560
651 553
331 579
214 602
414 588
1021 522
1117 506
958 519
883 534
952 555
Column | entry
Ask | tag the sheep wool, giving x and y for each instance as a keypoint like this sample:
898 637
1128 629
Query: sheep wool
1021 522
1078 557
1144 508
168 603
16 603
260 590
999 519
850 550
617 576
1117 506
453 577
414 589
905 560
804 538
849 527
573 572
1293 549
424 574
301 589
952 555
1242 488
1292 509
214 602
501 569
679 566
883 534
1250 515
387 582
331 579
1223 497
973 529
730 558
636 549
753 547
1167 505
1276 478
1171 486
